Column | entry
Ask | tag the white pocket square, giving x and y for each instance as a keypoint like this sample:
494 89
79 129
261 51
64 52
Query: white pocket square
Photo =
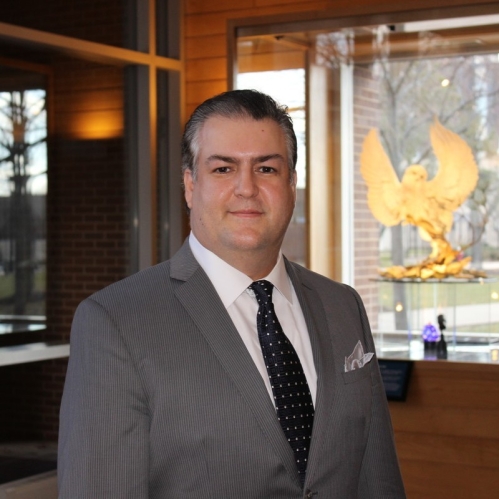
357 358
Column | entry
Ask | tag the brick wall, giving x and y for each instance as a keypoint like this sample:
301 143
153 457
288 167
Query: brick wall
87 202
31 396
366 228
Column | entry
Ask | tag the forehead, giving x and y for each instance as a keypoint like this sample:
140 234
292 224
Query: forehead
221 135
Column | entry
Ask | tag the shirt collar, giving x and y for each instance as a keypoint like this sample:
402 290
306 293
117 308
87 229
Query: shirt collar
230 282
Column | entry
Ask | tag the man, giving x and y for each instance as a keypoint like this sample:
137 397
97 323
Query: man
179 382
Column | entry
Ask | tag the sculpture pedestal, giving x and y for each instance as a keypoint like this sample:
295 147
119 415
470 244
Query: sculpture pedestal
470 309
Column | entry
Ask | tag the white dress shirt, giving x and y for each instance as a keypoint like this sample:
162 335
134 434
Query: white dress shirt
240 302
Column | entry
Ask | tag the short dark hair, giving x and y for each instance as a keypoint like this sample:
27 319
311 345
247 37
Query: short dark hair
237 104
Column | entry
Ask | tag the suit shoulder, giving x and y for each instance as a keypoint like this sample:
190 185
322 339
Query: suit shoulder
315 280
146 282
328 291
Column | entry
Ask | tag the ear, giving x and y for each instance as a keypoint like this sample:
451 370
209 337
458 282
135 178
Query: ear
188 187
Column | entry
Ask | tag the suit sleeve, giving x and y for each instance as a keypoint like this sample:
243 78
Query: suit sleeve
104 421
380 476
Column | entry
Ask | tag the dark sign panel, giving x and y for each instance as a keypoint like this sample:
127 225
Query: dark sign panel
396 375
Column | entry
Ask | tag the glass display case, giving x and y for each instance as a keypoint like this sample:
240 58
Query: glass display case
451 319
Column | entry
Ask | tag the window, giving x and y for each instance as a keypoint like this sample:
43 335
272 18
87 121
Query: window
23 190
399 79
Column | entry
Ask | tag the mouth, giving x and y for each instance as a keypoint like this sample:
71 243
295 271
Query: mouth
247 213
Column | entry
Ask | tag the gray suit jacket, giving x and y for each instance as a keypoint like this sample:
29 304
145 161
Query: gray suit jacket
162 399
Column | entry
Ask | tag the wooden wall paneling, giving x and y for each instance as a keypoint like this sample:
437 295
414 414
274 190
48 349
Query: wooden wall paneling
272 62
444 481
200 24
202 6
198 91
200 47
469 451
447 433
207 69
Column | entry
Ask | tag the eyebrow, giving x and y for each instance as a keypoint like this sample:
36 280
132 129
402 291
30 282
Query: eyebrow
231 160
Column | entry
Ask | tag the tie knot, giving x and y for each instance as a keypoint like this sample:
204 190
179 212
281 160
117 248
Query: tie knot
263 290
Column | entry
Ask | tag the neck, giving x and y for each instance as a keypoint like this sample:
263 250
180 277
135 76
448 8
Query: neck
255 263
255 266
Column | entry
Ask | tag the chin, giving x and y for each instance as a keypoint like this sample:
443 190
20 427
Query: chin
245 244
242 239
252 243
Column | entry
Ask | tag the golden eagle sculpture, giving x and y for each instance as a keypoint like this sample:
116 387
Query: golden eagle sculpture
427 204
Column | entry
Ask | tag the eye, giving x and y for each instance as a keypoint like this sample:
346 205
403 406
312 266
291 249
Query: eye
267 169
222 169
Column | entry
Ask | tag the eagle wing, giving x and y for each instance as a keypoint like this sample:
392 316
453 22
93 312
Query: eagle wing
457 174
384 195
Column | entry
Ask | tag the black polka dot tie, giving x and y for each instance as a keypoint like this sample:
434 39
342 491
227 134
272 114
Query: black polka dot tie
294 406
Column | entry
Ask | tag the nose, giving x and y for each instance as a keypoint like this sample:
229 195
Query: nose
246 183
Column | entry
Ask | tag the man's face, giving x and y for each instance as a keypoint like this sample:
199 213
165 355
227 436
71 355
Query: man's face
242 198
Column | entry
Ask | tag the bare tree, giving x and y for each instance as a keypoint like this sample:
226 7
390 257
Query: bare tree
20 133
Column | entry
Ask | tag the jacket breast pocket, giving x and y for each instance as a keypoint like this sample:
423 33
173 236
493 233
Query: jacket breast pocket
357 374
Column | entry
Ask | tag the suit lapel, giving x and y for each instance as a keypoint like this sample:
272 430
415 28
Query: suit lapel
320 339
201 301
